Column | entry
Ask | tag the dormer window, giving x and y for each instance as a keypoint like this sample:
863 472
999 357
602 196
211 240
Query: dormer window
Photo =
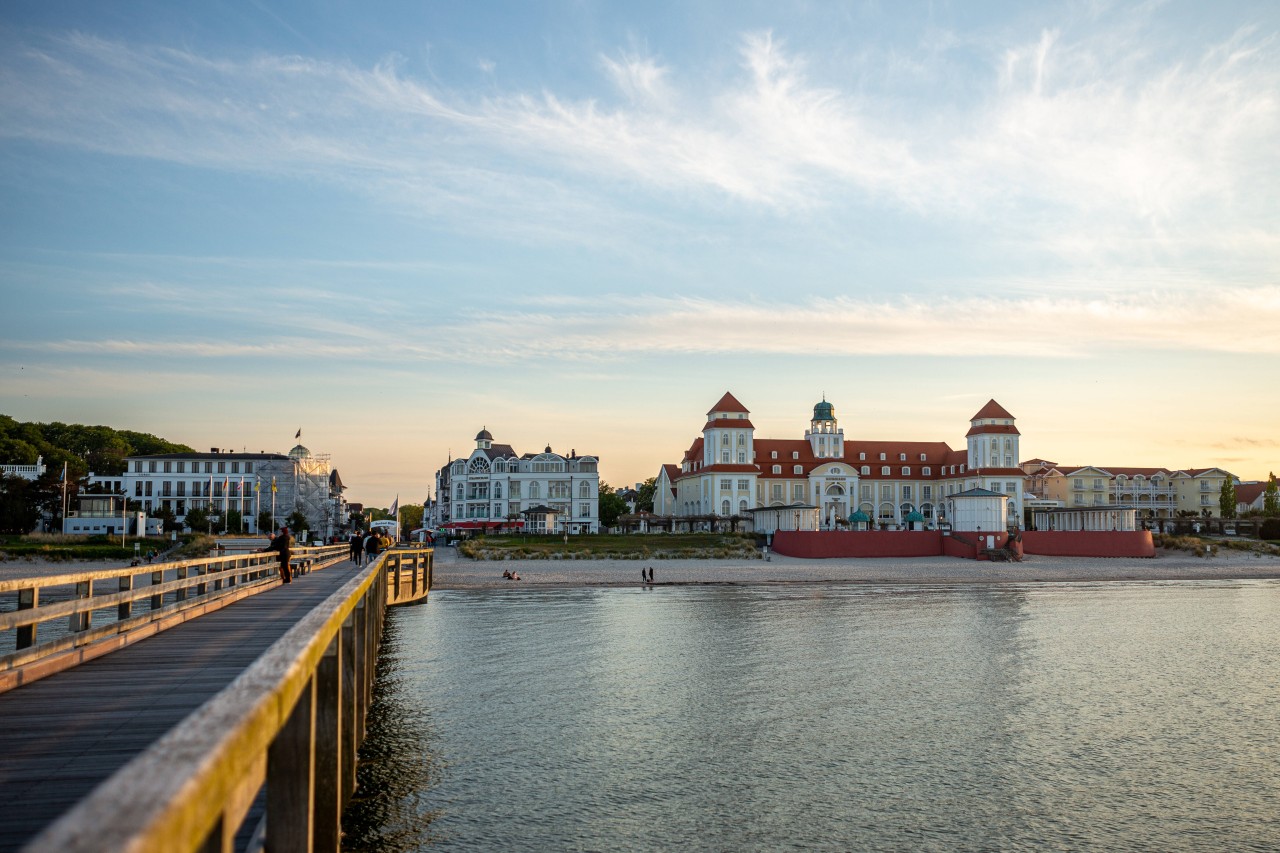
862 457
884 470
961 469
922 457
795 454
906 470
882 457
866 470
773 454
902 457
777 469
797 469
926 471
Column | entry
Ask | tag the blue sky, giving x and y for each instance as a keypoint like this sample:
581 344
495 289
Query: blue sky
580 223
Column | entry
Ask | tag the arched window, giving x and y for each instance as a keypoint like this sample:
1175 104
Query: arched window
479 465
724 438
724 507
584 491
497 490
742 440
742 507
866 470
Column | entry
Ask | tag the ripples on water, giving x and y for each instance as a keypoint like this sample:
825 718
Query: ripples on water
1099 717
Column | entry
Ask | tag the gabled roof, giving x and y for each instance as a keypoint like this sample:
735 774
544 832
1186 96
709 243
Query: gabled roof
991 410
1247 493
728 423
728 403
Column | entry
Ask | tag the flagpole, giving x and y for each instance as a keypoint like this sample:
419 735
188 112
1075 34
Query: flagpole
64 496
257 501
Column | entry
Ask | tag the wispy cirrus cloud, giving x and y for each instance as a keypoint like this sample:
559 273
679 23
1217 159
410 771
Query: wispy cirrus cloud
1086 126
567 329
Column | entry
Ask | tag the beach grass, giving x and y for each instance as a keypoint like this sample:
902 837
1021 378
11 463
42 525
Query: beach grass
612 547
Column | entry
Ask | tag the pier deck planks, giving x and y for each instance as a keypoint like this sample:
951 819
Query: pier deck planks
62 736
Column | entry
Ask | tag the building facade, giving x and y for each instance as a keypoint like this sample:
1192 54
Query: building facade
728 471
219 481
494 488
1152 492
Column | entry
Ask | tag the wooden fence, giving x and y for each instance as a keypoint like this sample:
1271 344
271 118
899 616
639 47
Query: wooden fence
293 720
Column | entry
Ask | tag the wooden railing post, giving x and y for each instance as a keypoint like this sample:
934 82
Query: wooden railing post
157 578
181 595
350 649
125 608
81 620
27 600
201 571
327 833
291 778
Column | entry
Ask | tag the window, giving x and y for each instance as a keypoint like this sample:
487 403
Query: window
584 490
773 454
137 467
777 469
724 438
222 467
726 485
926 493
235 467
866 491
168 466
248 467
797 469
1011 488
777 491
514 488
797 492
724 457
881 457
208 467
743 485
866 470
862 457
1077 483
902 457
906 470
724 507
742 507
922 457
795 454
497 493
742 440
535 490
182 488
742 457
886 492
151 466
584 510
926 470
906 493
884 470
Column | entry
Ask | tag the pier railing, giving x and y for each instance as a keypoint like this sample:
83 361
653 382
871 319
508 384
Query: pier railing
293 720
128 603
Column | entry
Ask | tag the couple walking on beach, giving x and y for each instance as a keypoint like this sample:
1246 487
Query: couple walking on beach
646 578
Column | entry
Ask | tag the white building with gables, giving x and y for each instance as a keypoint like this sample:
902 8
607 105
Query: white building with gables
728 471
495 488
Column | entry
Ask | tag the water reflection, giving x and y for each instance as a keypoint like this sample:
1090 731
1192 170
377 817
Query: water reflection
1116 716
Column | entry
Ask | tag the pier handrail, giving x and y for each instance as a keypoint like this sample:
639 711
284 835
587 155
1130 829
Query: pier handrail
293 719
199 584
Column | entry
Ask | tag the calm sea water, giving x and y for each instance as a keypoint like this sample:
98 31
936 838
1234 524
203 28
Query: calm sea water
829 717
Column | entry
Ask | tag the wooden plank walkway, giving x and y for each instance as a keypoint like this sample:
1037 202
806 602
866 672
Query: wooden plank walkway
61 736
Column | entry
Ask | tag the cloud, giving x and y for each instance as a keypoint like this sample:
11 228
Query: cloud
609 328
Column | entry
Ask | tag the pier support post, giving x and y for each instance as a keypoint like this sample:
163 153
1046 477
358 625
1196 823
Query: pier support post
291 778
330 764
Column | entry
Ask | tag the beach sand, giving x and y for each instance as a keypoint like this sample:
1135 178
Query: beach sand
452 572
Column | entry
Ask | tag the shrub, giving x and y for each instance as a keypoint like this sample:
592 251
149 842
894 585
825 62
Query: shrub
1270 529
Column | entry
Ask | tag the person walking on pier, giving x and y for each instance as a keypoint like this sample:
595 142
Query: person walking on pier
370 548
357 548
281 544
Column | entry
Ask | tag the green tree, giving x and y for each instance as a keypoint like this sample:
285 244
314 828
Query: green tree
297 522
410 517
1227 499
19 508
612 506
644 503
234 521
264 522
197 519
168 521
1271 498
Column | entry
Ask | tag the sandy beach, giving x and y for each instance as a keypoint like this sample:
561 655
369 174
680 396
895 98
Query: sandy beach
452 572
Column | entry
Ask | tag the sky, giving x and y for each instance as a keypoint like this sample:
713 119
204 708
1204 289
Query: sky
580 223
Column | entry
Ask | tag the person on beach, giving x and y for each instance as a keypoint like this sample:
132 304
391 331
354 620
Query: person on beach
281 543
651 574
506 574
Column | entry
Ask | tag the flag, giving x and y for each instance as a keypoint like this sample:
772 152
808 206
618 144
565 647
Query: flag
395 508
273 484
226 485
299 435
64 472
257 484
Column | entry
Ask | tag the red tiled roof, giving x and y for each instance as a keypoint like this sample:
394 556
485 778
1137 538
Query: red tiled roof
728 403
730 423
1247 493
1005 429
673 471
991 410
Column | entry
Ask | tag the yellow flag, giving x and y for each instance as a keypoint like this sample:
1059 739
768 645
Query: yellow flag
273 484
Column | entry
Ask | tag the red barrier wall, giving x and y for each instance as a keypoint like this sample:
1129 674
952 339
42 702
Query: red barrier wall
1089 543
864 543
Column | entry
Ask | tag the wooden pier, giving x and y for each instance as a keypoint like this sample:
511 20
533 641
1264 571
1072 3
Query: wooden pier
168 743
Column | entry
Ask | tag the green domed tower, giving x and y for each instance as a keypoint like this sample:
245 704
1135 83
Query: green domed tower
824 435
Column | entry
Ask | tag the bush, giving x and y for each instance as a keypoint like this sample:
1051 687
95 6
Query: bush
1270 529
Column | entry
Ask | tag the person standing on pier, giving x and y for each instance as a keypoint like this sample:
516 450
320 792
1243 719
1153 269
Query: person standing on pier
281 544
357 548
